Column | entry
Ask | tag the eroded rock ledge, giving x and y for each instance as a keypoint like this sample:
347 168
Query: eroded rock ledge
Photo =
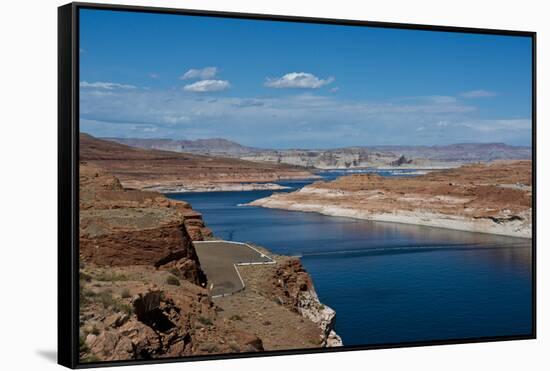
489 198
293 287
143 293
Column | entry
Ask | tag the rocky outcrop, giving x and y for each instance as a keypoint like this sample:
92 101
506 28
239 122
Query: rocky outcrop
293 288
121 227
163 323
490 198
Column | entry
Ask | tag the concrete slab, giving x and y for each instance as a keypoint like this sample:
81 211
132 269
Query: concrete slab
220 261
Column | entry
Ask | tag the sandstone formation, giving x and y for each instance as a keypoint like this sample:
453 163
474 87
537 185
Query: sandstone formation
130 227
490 198
442 156
170 171
292 287
133 314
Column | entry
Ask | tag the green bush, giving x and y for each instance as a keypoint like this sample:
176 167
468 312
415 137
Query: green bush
125 293
234 346
209 347
175 271
205 321
171 280
111 277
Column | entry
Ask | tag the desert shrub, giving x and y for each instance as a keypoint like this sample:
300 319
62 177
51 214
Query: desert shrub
125 293
236 317
111 277
234 346
171 280
124 308
95 330
82 347
83 276
174 271
209 347
105 298
205 320
90 358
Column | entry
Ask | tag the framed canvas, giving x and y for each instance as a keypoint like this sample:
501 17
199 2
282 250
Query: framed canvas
242 185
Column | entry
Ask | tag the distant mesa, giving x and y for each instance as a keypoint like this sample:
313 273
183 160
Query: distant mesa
356 157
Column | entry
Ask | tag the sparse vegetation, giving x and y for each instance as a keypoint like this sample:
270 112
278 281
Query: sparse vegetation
205 321
111 277
236 317
234 346
83 276
209 347
175 271
107 299
125 293
171 280
95 330
82 347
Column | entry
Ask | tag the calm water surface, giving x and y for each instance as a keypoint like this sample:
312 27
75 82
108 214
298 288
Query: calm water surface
389 282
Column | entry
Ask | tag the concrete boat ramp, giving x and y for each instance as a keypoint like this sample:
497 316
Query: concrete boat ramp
220 260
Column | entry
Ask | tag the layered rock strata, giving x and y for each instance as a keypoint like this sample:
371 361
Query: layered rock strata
490 198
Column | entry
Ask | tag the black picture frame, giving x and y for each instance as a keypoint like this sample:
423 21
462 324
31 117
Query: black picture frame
68 150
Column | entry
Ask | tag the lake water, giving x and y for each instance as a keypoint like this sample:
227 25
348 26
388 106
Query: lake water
389 282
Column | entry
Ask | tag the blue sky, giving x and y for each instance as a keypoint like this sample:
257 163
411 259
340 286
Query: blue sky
296 85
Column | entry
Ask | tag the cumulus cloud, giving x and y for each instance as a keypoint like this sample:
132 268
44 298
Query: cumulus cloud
301 80
205 86
105 85
200 73
478 94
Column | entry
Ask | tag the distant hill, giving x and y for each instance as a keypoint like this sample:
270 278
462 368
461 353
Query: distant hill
466 152
345 158
213 146
150 168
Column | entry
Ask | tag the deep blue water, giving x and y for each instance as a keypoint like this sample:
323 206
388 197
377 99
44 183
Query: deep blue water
389 282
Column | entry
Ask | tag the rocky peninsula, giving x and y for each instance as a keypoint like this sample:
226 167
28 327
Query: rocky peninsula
491 198
144 294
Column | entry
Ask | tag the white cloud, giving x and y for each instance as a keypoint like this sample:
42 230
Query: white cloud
299 120
301 80
154 75
105 85
478 94
488 126
441 99
205 86
200 73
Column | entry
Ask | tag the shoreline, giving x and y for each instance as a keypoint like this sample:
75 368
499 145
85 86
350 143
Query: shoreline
420 218
212 187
